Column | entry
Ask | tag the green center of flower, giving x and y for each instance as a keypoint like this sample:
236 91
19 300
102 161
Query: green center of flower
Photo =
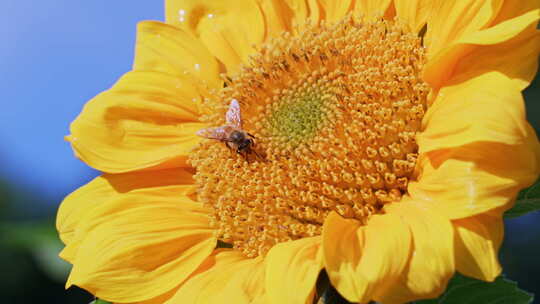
296 117
334 110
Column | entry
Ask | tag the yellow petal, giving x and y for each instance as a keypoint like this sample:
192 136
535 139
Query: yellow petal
227 277
431 263
477 242
342 246
447 46
298 11
108 188
292 269
157 300
336 10
517 58
414 12
147 120
503 31
164 48
372 7
148 253
472 179
514 8
316 12
471 162
451 20
473 110
76 204
363 261
228 30
142 240
277 16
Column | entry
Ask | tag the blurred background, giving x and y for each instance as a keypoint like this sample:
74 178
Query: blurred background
56 55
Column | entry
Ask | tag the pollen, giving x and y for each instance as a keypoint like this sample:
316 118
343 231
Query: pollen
335 109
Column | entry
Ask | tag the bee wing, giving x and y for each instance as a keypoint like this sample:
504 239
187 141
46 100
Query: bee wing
233 117
217 133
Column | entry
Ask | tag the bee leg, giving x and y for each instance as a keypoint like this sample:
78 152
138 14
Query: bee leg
240 152
258 155
227 145
252 135
244 155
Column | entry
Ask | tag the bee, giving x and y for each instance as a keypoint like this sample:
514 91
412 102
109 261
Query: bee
231 133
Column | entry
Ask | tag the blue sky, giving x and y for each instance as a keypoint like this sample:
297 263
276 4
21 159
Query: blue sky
56 55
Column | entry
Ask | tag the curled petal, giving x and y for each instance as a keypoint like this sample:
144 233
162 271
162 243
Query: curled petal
226 275
142 240
107 188
431 262
517 58
470 162
228 30
475 178
147 120
457 29
452 20
477 242
164 48
471 180
459 117
292 269
363 261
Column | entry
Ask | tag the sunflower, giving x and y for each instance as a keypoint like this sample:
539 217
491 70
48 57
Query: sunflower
390 138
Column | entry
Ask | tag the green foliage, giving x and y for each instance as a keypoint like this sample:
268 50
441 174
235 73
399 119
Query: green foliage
40 239
464 290
527 201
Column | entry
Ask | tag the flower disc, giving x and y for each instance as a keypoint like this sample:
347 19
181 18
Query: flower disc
335 110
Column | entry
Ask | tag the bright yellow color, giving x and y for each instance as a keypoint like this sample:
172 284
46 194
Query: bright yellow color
138 233
155 216
313 165
292 270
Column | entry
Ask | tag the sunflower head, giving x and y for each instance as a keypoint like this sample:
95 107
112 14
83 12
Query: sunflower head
389 138
335 110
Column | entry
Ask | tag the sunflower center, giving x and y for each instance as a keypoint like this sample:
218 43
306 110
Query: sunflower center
334 109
